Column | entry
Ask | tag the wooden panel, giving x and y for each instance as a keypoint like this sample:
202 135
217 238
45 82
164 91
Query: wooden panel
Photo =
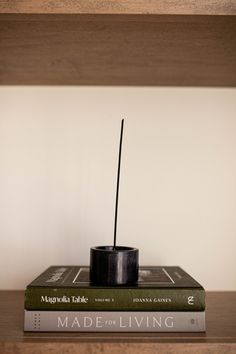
118 50
219 338
167 7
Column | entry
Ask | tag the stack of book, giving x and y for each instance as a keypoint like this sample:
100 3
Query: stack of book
165 299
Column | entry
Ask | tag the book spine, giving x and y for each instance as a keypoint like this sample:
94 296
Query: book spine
120 299
74 321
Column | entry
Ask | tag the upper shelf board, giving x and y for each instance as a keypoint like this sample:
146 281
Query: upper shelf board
118 42
117 7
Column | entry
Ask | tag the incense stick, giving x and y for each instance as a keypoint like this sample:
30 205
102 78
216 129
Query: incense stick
118 182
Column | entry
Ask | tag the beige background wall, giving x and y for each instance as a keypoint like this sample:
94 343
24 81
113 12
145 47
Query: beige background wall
58 160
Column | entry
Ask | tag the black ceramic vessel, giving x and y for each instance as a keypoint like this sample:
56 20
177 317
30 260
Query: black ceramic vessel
110 266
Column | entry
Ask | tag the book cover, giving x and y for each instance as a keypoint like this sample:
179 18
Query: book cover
108 321
158 289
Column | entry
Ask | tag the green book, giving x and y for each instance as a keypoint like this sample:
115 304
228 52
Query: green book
67 288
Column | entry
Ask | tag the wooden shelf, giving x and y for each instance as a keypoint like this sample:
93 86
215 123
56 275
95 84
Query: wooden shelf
220 336
111 7
75 42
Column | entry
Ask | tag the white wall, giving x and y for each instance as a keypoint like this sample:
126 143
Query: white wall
58 160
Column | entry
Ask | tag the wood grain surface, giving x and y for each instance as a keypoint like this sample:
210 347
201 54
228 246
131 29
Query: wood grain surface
220 336
167 7
118 50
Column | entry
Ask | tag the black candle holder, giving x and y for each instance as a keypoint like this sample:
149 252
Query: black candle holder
111 266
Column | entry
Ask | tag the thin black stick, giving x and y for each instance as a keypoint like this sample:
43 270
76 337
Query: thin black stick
118 182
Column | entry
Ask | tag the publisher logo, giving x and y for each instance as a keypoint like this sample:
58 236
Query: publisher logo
191 300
